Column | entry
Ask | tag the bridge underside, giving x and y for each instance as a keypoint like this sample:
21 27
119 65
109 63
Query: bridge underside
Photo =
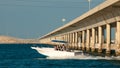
92 32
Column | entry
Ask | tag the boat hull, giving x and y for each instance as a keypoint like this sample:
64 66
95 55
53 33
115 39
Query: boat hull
51 52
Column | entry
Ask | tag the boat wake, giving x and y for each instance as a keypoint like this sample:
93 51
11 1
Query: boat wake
84 57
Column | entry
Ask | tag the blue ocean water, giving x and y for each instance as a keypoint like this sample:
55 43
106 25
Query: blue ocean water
22 56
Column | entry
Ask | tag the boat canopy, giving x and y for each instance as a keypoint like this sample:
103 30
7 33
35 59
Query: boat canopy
60 41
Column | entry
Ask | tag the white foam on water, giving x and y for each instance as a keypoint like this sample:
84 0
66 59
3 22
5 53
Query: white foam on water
84 57
39 58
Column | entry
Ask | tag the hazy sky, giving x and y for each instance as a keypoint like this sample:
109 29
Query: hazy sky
34 18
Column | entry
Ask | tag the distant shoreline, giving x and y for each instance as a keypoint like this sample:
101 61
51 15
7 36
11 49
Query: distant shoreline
13 40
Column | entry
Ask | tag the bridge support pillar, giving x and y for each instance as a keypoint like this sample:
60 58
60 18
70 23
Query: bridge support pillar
100 39
67 35
69 40
83 40
80 41
118 39
73 41
88 40
76 40
93 40
108 40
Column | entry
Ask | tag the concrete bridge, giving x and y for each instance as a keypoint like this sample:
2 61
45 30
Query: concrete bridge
98 30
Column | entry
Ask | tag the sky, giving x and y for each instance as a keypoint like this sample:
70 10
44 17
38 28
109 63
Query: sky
34 18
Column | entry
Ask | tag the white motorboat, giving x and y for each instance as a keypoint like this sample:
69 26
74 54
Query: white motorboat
51 52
